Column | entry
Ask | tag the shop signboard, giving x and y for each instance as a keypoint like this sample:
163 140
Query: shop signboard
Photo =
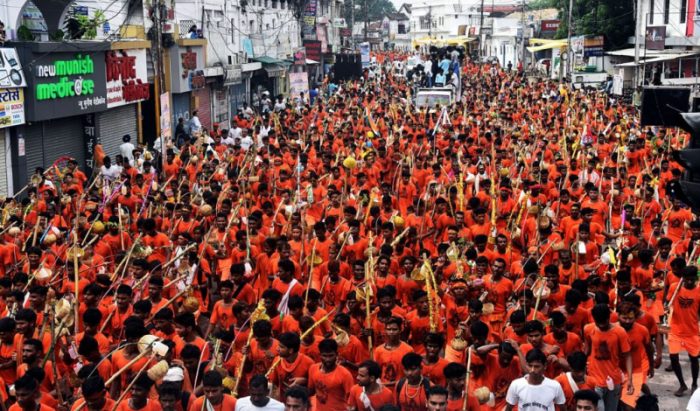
65 84
165 127
11 107
298 83
127 77
187 69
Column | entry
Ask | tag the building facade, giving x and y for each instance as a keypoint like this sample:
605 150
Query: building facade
141 67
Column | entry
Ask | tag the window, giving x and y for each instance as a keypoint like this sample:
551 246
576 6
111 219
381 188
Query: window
651 11
402 29
425 23
683 10
667 10
274 4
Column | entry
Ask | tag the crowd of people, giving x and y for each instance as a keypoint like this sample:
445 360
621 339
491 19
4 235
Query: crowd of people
518 249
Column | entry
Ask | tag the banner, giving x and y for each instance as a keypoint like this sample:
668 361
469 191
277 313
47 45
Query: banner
364 54
593 46
165 126
298 83
313 49
655 38
300 56
127 77
308 27
11 107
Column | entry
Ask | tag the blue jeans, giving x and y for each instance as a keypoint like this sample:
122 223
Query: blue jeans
608 399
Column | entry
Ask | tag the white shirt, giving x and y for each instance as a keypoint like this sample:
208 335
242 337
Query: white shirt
127 151
112 173
535 397
246 142
244 404
195 124
694 402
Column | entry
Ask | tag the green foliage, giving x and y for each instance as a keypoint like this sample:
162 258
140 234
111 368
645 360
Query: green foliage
57 35
612 18
541 4
83 27
24 34
375 9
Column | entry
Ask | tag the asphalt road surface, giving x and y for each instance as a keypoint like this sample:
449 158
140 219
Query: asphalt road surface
664 384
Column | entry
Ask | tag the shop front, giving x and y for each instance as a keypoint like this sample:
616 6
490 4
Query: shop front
66 89
127 86
188 85
12 89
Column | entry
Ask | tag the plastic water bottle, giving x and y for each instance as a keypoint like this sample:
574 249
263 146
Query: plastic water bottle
610 383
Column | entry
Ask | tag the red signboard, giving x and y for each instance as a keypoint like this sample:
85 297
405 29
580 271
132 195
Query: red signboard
549 25
313 49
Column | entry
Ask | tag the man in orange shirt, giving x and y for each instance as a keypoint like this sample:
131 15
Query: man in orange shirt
94 396
576 379
368 394
389 354
641 351
411 391
684 334
27 394
293 368
608 346
455 375
329 382
214 398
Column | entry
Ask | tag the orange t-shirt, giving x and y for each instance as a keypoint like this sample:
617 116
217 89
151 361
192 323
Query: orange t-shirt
563 380
227 404
606 352
684 322
285 372
377 400
639 339
6 351
411 398
331 388
434 371
222 315
151 405
390 361
457 404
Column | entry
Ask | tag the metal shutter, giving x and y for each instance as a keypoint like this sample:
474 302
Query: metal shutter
3 164
63 137
181 108
203 99
46 141
113 124
34 147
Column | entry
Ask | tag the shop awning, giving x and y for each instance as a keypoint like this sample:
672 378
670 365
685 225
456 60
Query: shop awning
556 44
268 60
274 70
452 41
658 59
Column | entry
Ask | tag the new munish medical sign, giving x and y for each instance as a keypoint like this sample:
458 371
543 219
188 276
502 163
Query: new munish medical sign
71 78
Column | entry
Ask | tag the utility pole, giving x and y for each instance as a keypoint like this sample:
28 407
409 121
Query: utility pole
522 23
430 21
366 21
569 55
481 33
637 42
352 24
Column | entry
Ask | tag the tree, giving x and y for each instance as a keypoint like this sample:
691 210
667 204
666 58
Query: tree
375 9
614 19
